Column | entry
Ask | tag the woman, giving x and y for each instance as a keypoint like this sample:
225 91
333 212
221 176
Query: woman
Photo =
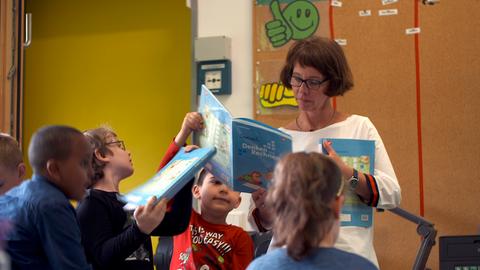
316 70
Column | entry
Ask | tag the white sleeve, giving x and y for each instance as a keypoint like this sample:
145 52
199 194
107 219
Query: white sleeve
386 183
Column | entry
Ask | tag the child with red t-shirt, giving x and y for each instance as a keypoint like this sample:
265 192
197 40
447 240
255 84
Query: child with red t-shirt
209 242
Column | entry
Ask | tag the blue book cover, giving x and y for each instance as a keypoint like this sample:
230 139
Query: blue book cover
360 155
247 150
256 149
171 178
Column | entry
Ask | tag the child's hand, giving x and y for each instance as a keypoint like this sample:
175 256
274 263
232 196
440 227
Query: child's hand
149 216
193 121
264 213
190 148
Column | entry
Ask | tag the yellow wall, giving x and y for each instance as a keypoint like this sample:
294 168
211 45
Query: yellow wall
125 63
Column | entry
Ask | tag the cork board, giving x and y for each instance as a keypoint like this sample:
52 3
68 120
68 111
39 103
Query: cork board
422 93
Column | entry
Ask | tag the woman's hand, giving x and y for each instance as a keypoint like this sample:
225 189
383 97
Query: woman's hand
347 172
264 214
259 197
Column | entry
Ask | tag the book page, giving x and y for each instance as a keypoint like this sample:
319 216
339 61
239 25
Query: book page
217 133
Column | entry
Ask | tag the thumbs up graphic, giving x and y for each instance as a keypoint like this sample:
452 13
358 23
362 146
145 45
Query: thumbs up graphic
275 95
278 30
299 20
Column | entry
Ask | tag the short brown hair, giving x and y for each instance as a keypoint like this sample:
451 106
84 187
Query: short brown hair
200 176
98 140
304 185
10 153
326 56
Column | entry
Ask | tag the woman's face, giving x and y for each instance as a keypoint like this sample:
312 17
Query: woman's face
313 98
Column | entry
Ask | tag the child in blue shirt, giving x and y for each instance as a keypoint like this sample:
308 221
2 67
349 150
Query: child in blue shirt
305 199
45 233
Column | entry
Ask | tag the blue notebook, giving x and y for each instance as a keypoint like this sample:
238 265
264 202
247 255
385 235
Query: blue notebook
360 155
247 150
171 178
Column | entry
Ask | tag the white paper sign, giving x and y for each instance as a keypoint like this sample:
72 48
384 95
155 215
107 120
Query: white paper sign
336 3
388 2
412 31
388 12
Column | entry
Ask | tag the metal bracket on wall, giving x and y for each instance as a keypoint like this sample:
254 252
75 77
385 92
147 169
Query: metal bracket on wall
28 30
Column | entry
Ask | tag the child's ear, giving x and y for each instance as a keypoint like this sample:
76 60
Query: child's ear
337 206
53 170
196 191
237 204
21 169
100 156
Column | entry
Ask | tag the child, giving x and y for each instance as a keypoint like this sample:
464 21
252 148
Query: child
210 243
12 168
45 233
114 238
305 199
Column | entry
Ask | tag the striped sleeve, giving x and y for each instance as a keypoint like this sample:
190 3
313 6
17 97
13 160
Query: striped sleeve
374 193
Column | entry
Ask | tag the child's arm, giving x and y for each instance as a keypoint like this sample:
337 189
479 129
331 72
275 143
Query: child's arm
149 216
177 218
242 251
193 121
102 243
57 228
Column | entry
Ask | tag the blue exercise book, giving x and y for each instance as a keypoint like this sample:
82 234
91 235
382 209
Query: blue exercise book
171 178
360 155
247 150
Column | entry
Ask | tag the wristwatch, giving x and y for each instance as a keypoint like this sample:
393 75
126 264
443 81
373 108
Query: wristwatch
353 181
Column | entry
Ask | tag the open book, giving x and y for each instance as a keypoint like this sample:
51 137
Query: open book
171 178
360 155
247 150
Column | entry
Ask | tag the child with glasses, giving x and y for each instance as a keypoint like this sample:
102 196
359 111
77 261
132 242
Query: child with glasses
305 199
117 239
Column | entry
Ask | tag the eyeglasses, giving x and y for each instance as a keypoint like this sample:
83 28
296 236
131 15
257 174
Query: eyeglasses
311 84
120 144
